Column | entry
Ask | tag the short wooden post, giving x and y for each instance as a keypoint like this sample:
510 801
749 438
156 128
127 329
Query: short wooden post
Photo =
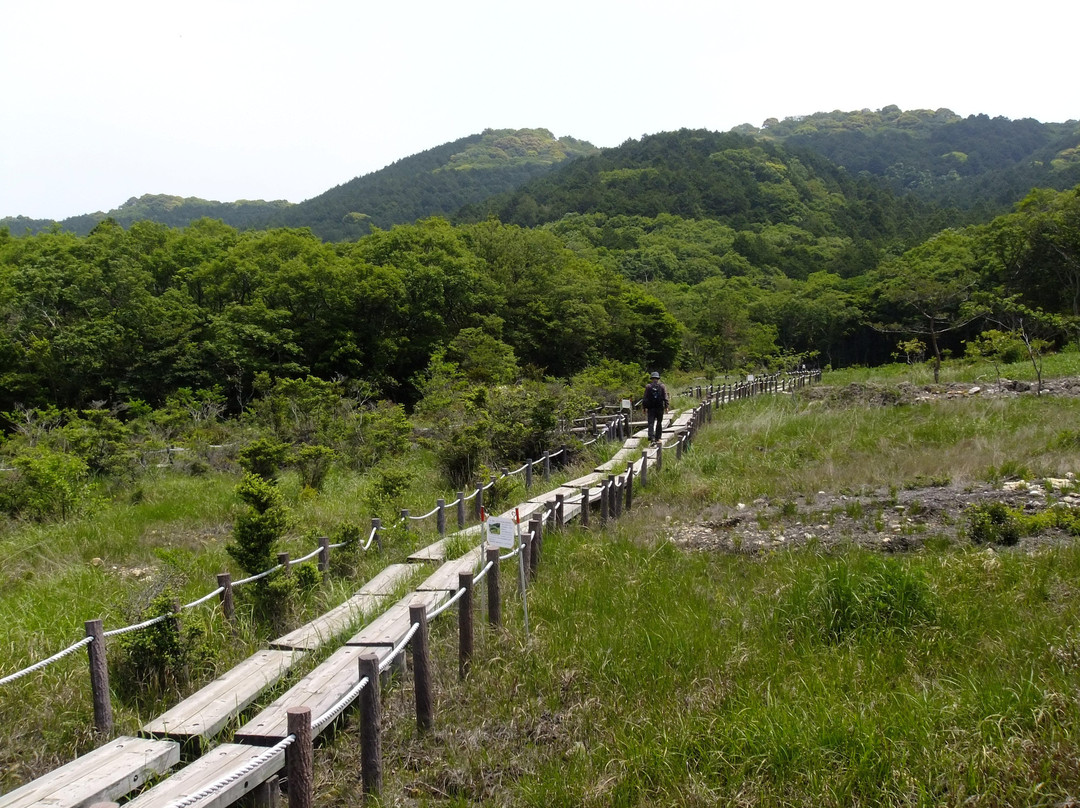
465 624
285 562
425 717
613 496
604 505
528 474
660 457
460 509
585 506
494 598
324 554
629 486
300 758
619 493
440 516
644 467
564 453
536 530
547 465
526 546
370 727
224 580
405 519
679 448
478 501
99 678
267 794
560 512
376 525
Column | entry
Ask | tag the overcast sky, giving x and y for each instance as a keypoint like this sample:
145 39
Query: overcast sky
236 99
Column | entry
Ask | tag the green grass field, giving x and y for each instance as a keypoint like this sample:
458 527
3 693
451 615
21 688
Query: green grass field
654 676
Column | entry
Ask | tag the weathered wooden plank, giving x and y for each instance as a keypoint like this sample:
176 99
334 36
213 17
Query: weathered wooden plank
103 775
320 690
205 713
389 628
445 578
436 553
204 772
330 625
388 581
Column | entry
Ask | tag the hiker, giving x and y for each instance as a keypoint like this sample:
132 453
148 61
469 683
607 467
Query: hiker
655 402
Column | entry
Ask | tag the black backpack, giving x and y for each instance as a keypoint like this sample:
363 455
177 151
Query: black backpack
654 396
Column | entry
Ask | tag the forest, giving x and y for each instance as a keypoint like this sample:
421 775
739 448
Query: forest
706 253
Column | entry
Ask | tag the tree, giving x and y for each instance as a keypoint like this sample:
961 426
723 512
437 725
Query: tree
928 286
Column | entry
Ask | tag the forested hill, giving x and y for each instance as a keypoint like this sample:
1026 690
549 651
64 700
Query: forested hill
438 181
975 163
744 183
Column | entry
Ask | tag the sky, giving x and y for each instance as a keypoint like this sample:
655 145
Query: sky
237 99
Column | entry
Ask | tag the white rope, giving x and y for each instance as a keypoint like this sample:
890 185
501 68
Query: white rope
204 598
518 471
457 596
471 496
489 485
455 502
308 557
71 649
371 537
257 577
553 455
397 649
337 546
512 553
480 575
328 717
239 774
146 624
426 515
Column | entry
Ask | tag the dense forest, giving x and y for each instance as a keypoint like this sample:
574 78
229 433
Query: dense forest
713 253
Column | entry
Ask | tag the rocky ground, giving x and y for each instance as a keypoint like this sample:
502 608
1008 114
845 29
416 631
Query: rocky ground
889 520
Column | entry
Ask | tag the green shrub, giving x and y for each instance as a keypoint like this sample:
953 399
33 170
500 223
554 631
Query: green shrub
313 463
256 531
44 484
993 523
264 457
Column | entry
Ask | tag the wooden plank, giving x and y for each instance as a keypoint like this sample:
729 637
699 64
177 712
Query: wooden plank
388 581
216 765
389 628
320 690
206 712
331 625
103 775
445 578
436 553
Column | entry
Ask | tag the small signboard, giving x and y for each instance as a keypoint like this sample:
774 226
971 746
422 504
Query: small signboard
626 404
501 533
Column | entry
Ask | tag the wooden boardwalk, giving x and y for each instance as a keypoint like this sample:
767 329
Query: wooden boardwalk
205 713
103 775
215 765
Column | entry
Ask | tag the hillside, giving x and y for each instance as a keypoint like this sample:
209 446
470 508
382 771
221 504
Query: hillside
975 163
436 182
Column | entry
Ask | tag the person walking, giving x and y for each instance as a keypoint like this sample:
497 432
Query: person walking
656 403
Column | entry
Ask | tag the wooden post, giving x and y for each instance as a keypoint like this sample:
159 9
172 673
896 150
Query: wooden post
679 448
494 598
267 794
644 467
324 554
376 525
224 580
613 496
460 509
440 516
565 455
283 560
560 504
370 727
478 501
536 530
660 457
617 499
547 465
99 678
405 519
528 474
465 624
425 717
585 506
629 486
527 541
300 759
603 502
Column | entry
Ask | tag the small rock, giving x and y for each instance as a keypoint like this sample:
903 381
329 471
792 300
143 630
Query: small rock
96 562
974 391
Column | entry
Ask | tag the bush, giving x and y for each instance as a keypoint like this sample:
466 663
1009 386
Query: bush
256 531
44 484
993 523
264 457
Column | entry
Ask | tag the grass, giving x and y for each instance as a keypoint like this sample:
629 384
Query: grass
655 676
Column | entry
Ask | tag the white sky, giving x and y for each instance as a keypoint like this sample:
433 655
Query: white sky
238 99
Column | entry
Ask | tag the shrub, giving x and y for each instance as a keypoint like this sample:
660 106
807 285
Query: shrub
264 457
257 530
45 484
993 523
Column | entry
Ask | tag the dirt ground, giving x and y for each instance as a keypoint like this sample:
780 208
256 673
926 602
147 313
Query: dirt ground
882 519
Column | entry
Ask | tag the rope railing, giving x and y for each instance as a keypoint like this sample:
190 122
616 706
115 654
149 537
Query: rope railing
457 596
397 649
204 598
327 718
240 773
258 576
426 515
480 575
71 649
153 621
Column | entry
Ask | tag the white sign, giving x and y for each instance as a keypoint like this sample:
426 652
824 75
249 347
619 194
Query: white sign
501 533
626 404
